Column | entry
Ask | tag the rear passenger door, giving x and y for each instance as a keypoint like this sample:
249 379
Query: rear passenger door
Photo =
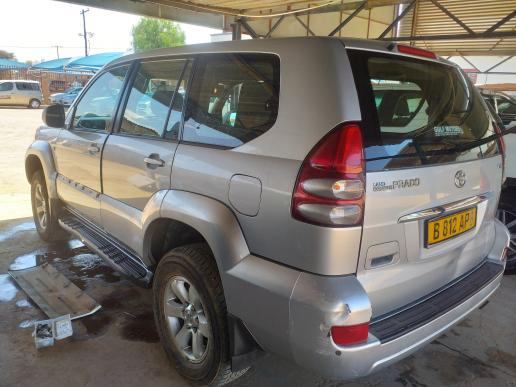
78 149
138 155
23 94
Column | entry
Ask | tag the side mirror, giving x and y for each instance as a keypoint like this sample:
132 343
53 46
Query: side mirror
54 116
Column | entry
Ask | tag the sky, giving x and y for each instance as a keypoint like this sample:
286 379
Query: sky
32 28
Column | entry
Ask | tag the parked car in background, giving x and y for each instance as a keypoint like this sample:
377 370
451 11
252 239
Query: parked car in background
20 93
67 97
54 98
342 228
503 107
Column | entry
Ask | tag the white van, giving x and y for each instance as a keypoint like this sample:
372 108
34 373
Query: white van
20 93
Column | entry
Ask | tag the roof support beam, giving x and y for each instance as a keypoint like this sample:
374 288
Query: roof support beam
498 64
453 17
481 35
249 29
348 19
305 25
501 22
471 64
278 22
395 22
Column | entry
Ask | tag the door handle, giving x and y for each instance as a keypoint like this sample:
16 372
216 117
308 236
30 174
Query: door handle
153 160
94 148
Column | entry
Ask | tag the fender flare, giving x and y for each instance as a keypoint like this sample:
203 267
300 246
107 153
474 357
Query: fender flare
213 220
43 152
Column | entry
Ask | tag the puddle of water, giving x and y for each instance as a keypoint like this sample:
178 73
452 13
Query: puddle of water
23 304
25 226
25 261
27 324
7 288
141 327
75 244
87 261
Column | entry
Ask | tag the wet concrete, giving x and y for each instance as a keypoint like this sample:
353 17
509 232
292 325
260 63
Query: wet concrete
119 345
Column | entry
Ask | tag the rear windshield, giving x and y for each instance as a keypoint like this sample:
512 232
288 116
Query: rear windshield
418 112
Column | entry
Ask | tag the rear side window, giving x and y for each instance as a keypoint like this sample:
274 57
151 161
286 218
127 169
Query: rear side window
25 86
418 112
233 99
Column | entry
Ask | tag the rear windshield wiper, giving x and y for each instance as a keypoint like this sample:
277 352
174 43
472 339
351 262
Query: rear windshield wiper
423 155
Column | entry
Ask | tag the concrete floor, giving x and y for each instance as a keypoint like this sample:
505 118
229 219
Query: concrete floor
119 346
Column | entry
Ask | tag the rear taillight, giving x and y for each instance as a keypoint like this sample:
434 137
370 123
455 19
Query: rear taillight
351 334
330 187
501 140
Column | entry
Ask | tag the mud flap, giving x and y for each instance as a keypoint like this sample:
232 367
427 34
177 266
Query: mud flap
55 294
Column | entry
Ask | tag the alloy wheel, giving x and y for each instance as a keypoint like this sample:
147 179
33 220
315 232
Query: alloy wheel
186 319
41 206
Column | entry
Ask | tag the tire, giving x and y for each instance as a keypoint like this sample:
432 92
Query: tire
34 103
44 215
187 280
507 214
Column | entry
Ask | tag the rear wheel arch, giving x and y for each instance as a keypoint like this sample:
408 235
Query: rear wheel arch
165 234
192 218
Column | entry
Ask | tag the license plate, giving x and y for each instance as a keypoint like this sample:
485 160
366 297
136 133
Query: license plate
447 227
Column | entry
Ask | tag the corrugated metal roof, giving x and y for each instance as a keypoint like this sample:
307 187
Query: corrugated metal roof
426 19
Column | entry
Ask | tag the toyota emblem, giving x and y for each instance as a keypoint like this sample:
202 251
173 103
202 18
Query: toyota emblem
460 179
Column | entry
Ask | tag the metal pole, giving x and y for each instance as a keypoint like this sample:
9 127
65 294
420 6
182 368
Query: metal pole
83 12
236 29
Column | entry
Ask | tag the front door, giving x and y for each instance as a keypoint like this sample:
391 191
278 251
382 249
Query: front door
78 149
137 158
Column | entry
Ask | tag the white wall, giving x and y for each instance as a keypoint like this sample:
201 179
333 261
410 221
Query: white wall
485 62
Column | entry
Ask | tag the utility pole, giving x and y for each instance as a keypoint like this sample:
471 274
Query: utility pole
57 49
83 12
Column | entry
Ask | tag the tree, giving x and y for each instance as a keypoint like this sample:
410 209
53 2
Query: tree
7 55
151 33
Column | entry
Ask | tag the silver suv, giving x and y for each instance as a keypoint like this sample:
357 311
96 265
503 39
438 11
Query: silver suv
331 201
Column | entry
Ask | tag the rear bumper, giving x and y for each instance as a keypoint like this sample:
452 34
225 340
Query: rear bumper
291 312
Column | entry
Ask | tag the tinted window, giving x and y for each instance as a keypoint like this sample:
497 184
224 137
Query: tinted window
151 95
25 86
233 99
95 109
6 86
419 112
505 106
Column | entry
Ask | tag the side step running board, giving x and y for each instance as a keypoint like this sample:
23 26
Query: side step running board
110 250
